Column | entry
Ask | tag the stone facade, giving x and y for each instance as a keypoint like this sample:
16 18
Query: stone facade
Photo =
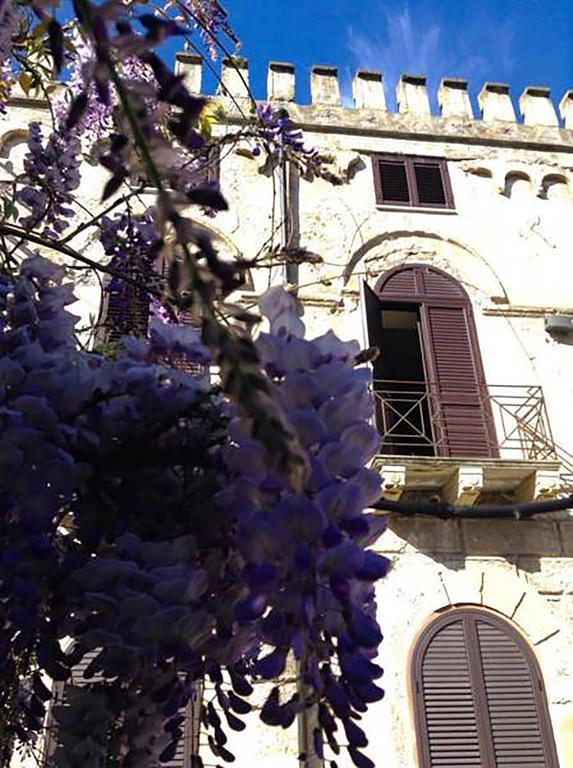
507 241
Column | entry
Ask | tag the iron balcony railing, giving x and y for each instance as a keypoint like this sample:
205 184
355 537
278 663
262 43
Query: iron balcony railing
409 416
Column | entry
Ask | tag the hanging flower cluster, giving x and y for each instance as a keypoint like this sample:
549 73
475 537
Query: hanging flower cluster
172 533
279 137
310 578
139 522
51 175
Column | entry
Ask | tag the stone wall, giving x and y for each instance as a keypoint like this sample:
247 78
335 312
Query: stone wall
522 570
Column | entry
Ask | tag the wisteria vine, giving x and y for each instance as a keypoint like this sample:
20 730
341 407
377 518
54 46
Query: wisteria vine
161 531
143 520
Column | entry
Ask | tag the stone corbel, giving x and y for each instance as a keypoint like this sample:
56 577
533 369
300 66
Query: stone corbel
539 485
394 478
464 486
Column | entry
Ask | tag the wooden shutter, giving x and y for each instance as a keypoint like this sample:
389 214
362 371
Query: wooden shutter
429 181
188 745
393 182
419 182
511 689
461 413
479 696
458 393
372 322
449 705
127 310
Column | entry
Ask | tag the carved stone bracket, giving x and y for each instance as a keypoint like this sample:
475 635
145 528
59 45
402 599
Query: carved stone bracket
464 486
539 485
394 477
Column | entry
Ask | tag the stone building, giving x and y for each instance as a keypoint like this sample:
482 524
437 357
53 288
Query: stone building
448 245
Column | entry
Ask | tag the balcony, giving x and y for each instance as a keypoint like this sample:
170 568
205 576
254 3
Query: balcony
514 457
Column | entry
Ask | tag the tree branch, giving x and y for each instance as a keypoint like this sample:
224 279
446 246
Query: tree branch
10 230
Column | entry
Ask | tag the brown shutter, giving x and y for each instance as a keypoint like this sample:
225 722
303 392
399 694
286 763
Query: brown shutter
188 745
393 181
458 394
450 713
420 182
401 284
127 310
429 184
511 686
479 696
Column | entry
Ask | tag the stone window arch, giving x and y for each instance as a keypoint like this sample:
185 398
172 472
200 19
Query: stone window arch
478 695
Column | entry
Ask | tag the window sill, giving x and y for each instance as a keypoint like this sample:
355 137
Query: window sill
412 209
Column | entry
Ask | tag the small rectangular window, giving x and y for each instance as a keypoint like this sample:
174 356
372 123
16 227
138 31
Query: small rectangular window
416 182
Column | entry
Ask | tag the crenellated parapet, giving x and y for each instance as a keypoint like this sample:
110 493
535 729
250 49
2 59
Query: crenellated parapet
537 119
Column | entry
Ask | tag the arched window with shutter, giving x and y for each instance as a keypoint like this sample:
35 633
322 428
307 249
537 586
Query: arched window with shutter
429 375
479 698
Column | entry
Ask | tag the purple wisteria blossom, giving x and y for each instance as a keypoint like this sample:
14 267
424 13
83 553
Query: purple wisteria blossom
278 135
309 572
143 524
51 175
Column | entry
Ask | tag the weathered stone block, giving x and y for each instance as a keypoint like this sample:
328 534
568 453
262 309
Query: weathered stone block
502 589
566 531
280 82
535 617
427 533
510 537
454 98
537 108
552 575
190 65
368 90
324 86
462 586
495 103
234 77
412 95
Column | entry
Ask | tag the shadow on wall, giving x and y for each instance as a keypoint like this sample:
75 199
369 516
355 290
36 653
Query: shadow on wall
451 542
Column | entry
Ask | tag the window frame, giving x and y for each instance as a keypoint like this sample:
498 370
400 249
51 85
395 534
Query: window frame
471 614
409 162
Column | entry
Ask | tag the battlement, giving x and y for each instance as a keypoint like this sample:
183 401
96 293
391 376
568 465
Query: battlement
536 107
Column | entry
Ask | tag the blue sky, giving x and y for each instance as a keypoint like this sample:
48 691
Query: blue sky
523 42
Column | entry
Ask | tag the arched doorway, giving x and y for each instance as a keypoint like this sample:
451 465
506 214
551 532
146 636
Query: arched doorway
429 379
479 698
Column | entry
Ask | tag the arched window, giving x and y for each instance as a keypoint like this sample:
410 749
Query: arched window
479 696
429 377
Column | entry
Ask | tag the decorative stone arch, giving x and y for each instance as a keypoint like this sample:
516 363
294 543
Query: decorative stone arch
9 141
498 587
518 183
458 259
8 138
555 186
473 677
